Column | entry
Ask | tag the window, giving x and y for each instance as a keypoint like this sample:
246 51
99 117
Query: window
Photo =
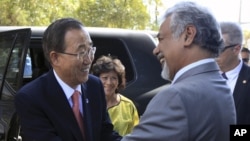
117 48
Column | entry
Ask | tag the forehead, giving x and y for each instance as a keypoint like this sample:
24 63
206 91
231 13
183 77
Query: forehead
78 37
245 54
111 73
165 27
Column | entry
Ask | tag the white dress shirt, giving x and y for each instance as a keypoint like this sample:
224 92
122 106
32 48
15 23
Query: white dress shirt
68 91
233 75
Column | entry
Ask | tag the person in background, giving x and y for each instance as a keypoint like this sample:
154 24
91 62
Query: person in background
67 103
122 110
234 70
198 104
245 54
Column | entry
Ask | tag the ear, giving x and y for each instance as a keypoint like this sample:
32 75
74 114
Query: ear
54 58
189 35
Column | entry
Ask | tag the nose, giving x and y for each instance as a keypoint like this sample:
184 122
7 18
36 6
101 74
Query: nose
107 81
88 59
90 55
156 51
158 54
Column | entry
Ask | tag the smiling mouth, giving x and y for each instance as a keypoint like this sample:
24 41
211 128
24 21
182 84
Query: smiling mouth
160 57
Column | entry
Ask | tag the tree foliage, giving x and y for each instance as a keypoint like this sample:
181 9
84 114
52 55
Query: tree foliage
246 34
96 13
131 14
157 5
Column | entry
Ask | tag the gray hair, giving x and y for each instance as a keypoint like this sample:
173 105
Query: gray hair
234 32
208 34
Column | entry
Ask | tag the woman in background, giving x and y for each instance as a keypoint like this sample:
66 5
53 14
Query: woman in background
122 110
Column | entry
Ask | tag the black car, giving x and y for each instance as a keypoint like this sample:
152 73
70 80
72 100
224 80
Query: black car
22 60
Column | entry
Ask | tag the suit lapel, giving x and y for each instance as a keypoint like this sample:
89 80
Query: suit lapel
57 99
241 84
86 111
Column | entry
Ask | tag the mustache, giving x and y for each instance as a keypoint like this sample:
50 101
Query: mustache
160 57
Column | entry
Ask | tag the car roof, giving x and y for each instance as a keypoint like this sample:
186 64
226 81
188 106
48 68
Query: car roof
37 31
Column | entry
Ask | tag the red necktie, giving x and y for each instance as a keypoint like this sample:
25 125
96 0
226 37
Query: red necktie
76 110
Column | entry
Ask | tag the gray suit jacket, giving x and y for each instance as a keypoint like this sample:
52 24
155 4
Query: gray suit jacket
198 106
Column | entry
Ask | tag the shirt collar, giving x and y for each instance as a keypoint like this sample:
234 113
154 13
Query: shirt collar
234 71
190 66
68 91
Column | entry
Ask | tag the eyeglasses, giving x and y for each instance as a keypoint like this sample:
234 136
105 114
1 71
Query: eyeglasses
226 47
83 54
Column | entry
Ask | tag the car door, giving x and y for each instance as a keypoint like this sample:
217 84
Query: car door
13 54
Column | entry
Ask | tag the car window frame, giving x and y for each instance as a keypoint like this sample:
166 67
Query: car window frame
7 93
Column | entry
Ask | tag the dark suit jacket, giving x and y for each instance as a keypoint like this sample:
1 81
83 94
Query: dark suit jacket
46 115
242 95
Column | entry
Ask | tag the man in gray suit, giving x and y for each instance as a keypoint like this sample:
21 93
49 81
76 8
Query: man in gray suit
197 106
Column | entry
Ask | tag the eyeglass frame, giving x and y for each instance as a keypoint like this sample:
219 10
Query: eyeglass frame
229 46
81 55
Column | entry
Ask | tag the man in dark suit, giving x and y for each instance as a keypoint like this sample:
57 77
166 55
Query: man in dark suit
236 71
245 55
45 105
197 106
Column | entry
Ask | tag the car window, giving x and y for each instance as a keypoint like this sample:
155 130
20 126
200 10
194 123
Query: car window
105 46
28 66
13 46
39 65
116 48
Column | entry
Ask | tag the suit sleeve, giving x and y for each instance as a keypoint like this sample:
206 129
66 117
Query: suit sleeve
164 119
35 125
